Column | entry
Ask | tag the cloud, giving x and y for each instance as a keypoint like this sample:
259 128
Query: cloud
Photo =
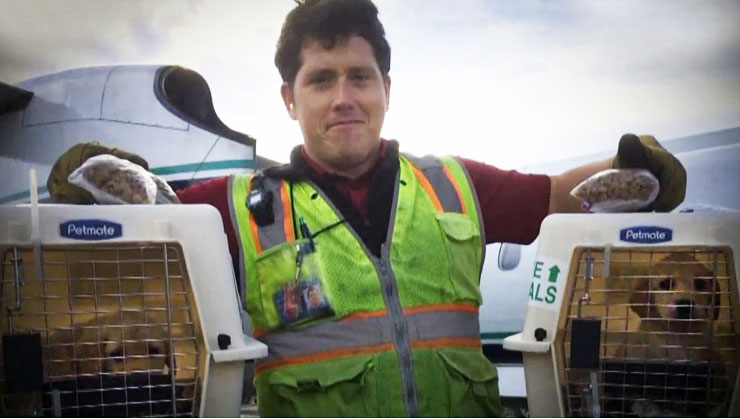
38 36
513 81
509 83
632 39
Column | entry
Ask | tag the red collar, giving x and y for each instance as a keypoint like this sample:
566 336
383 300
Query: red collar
314 167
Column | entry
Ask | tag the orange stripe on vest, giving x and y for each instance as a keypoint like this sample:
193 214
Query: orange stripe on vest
441 307
253 225
436 343
287 214
322 356
428 188
363 315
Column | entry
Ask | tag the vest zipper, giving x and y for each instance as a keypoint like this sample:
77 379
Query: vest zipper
400 336
389 289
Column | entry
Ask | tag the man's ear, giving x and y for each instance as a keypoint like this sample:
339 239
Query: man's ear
387 85
286 91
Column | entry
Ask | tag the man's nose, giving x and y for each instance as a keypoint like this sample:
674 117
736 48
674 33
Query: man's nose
344 96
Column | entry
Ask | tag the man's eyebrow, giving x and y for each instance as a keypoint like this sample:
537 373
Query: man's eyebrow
361 69
321 72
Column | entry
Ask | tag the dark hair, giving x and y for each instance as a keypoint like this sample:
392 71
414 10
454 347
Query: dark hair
329 21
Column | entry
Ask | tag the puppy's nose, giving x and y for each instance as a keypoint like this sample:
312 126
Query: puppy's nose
684 309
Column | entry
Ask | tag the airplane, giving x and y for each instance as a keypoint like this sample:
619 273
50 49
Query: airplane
162 112
166 114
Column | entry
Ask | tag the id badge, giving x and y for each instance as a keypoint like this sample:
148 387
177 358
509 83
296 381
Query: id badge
304 297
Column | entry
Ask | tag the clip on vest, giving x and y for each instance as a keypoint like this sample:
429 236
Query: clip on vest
259 202
306 234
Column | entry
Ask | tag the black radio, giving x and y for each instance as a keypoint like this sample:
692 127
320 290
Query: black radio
259 202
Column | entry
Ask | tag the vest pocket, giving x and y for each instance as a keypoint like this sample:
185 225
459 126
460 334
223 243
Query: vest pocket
283 298
462 241
334 388
473 383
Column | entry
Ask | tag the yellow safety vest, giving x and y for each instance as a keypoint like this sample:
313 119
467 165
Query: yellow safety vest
402 337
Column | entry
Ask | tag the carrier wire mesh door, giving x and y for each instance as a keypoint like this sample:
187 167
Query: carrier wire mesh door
109 330
669 331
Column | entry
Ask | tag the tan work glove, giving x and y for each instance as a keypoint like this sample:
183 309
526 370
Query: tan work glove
645 152
61 190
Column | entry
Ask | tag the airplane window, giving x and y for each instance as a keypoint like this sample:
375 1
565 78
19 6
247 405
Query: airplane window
509 256
186 94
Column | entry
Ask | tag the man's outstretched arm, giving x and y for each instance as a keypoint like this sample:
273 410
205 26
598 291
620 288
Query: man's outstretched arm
634 152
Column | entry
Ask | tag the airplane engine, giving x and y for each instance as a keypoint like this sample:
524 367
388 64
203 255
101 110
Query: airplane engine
633 315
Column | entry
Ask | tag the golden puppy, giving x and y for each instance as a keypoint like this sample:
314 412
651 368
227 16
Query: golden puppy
677 305
116 343
675 355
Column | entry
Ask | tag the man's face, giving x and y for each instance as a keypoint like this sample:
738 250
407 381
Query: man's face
339 98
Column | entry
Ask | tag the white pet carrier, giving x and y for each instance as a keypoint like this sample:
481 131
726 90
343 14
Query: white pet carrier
633 315
128 310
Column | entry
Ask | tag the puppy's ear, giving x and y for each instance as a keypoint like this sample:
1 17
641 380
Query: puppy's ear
640 298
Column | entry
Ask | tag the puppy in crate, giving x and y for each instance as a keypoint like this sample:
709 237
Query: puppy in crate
680 352
114 343
116 364
678 304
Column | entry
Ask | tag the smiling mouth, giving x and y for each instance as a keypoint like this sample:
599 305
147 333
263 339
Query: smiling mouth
344 123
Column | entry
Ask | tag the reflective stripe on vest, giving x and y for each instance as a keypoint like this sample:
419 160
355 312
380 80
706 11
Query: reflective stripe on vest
444 190
430 326
281 230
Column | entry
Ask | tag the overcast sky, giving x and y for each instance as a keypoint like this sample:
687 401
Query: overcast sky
509 83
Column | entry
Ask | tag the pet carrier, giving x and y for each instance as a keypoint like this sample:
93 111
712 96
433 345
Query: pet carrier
127 310
633 315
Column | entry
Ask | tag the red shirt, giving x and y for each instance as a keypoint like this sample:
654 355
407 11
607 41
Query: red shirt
353 189
513 204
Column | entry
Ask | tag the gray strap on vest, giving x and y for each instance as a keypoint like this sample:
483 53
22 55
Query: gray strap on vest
273 234
432 169
367 332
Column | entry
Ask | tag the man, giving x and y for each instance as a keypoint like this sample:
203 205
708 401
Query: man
392 244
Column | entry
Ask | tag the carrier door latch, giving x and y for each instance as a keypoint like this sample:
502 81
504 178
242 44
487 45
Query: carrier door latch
22 365
584 353
22 362
585 340
18 282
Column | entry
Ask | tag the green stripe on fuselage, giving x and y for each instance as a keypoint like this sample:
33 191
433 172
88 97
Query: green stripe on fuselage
164 170
210 165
